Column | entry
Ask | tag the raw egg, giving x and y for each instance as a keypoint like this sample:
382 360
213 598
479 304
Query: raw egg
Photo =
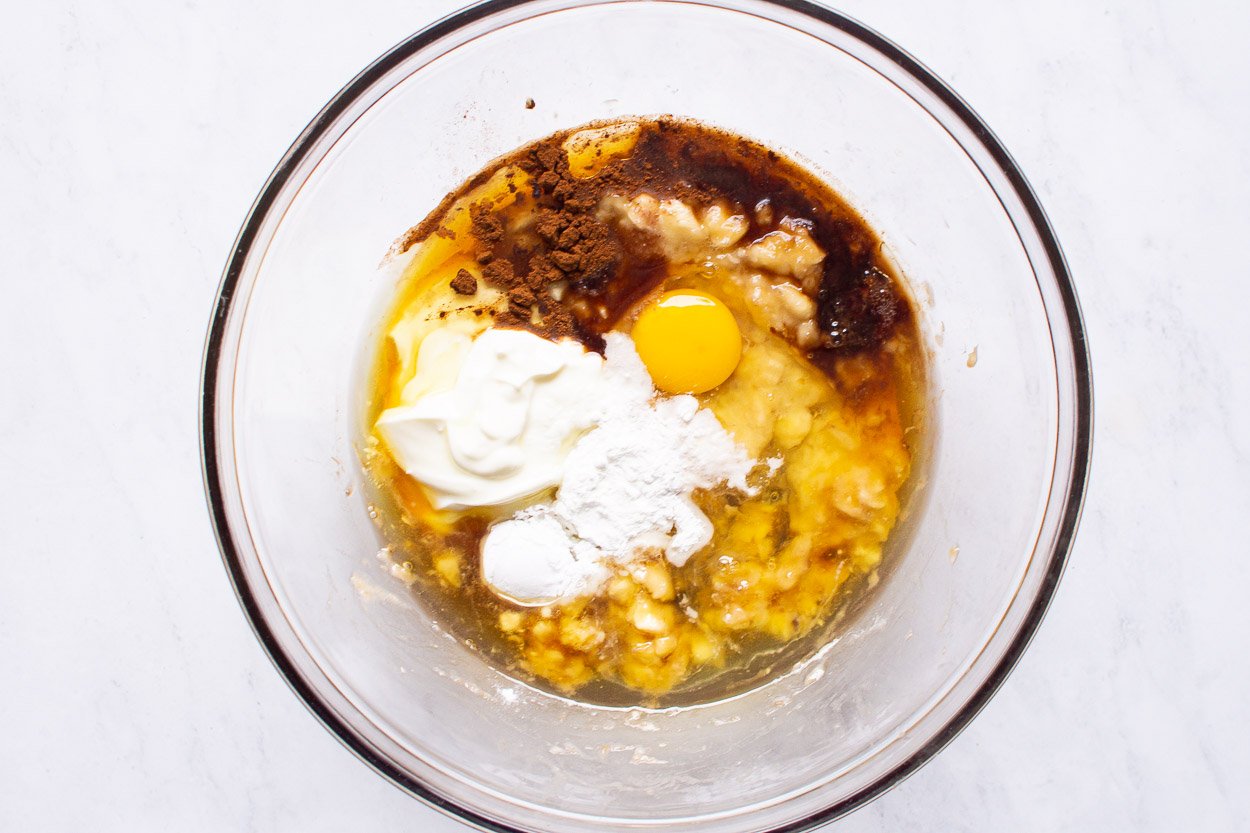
688 340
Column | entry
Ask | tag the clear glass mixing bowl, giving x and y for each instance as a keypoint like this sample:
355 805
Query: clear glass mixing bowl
982 542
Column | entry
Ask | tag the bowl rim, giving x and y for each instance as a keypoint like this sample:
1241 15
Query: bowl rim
1082 439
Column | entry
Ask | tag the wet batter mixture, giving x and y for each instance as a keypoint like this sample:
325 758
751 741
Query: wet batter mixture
642 412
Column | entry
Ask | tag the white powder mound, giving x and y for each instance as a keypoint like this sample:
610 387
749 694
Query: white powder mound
627 483
551 568
626 489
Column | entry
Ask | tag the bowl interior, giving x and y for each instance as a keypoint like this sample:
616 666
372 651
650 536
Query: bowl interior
978 548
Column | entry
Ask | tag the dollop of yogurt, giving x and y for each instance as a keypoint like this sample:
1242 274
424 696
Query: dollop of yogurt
491 420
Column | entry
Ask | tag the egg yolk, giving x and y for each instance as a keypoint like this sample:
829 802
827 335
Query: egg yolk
688 340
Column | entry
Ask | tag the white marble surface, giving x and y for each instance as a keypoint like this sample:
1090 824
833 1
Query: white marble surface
133 136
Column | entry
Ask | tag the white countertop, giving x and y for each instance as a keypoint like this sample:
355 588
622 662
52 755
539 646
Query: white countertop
133 137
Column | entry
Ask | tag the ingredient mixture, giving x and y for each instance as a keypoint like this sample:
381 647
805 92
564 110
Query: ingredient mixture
642 412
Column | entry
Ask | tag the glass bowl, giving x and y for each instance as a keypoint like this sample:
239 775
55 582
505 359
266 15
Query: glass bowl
983 538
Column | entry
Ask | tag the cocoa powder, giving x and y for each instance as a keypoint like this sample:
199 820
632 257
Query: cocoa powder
464 283
568 249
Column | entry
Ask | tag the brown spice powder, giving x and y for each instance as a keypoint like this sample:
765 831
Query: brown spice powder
464 283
